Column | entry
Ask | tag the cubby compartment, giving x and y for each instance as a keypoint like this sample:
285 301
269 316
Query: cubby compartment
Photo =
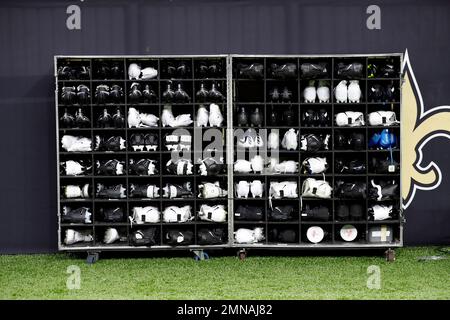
110 165
111 214
283 234
384 139
316 115
383 67
313 233
74 93
319 68
179 235
77 237
350 163
75 213
110 189
350 67
109 117
383 91
210 91
75 165
108 69
112 235
210 68
72 69
76 189
315 211
147 69
346 233
316 164
176 68
142 92
108 92
282 115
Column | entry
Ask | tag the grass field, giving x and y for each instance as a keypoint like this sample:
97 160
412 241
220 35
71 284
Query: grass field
225 277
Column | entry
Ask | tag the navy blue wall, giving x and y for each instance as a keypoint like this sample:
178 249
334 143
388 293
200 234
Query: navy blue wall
32 32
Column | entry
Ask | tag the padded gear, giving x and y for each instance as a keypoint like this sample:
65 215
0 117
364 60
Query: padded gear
316 213
135 94
350 70
81 121
323 91
248 213
382 118
104 120
67 120
74 191
251 71
144 237
179 167
281 213
143 167
112 214
179 237
314 70
143 215
112 167
115 143
102 93
249 236
354 92
149 94
352 166
384 190
215 213
341 92
257 188
209 190
310 92
314 165
83 94
283 190
74 236
381 212
76 144
316 188
111 192
116 93
144 191
242 189
385 165
290 140
74 168
284 71
357 141
384 140
168 95
313 143
287 166
215 115
202 117
177 214
177 191
181 96
211 166
215 95
211 236
350 119
351 190
78 215
283 235
68 95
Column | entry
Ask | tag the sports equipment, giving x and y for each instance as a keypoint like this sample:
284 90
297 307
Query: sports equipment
68 95
74 236
134 71
316 213
179 237
257 163
83 94
211 166
111 235
342 212
388 165
257 188
135 94
242 166
168 95
287 166
380 234
177 191
281 213
349 166
350 119
202 93
242 189
144 191
148 73
284 71
354 92
102 93
111 192
137 141
144 237
142 167
79 215
215 213
134 118
242 118
383 140
67 120
315 234
323 91
76 144
177 214
104 120
112 214
287 117
356 141
167 118
273 140
74 168
382 118
350 70
248 213
202 117
283 235
286 95
341 92
314 70
209 190
143 215
181 96
148 120
179 167
115 143
384 190
312 142
351 190
309 93
175 142
314 165
215 116
211 236
250 139
316 188
74 191
283 189
274 95
116 93
381 212
110 167
251 71
215 95
290 140
243 235
312 118
149 94
256 118
348 232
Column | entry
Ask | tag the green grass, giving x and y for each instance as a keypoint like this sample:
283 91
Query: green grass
225 277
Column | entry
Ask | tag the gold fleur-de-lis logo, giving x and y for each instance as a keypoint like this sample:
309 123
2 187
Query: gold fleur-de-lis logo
418 128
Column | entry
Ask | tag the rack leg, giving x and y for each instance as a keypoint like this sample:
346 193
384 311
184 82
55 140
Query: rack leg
92 257
242 254
390 255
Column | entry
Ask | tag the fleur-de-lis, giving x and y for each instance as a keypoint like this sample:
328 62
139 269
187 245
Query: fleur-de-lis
417 129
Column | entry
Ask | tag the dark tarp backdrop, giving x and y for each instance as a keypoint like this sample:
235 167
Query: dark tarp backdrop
32 32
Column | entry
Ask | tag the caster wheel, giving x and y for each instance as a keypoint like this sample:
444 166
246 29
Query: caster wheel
198 256
92 257
242 254
390 255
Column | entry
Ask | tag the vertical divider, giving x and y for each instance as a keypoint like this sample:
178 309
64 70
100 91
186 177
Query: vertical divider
366 231
299 156
229 143
160 153
92 106
127 150
333 155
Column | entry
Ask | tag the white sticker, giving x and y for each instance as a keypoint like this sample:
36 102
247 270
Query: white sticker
391 168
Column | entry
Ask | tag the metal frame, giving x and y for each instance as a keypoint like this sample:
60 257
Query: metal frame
229 138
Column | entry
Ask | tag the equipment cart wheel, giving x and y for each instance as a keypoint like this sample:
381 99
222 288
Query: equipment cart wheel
242 254
200 255
390 255
92 257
